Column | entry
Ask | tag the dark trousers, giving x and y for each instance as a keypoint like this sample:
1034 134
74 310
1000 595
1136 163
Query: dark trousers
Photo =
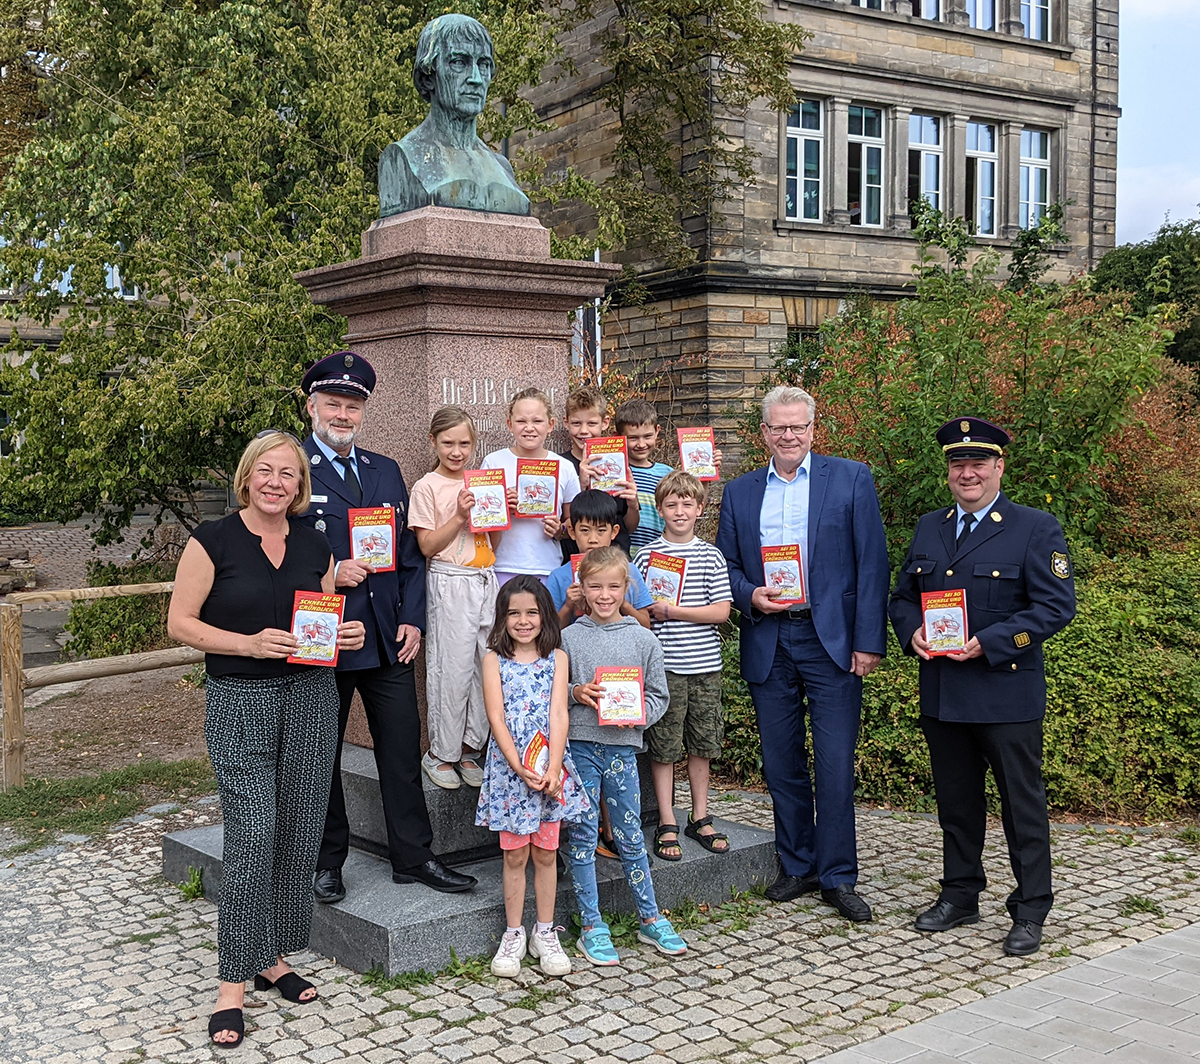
389 695
804 671
960 755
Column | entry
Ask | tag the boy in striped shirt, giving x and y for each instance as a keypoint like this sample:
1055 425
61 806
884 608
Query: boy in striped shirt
692 654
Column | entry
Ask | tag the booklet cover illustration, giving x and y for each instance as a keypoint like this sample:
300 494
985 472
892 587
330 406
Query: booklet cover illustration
608 457
782 573
575 560
696 447
664 577
536 756
490 512
373 537
537 487
623 695
315 620
945 621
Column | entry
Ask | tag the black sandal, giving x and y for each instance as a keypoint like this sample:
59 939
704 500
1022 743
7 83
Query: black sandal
692 831
227 1020
290 985
660 846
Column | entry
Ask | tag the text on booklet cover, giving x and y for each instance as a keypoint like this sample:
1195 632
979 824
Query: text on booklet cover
608 457
664 577
315 620
622 695
945 614
537 487
783 574
490 512
697 449
373 537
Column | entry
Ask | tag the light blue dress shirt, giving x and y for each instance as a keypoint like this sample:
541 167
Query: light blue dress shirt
331 454
979 516
783 518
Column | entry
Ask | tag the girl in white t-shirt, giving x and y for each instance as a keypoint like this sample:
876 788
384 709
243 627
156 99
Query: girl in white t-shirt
531 546
460 604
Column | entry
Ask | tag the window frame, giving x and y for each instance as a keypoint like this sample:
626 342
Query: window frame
1028 166
975 9
868 5
866 143
1029 9
978 156
801 138
927 153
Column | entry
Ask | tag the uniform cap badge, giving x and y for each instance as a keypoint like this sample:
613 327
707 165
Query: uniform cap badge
995 517
320 526
348 361
1060 565
964 426
315 459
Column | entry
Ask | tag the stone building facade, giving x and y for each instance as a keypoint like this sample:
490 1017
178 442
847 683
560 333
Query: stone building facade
992 109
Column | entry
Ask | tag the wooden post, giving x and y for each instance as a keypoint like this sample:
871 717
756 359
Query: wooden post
12 734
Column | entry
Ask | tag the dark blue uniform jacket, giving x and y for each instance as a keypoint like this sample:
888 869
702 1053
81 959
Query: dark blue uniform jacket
1020 591
383 601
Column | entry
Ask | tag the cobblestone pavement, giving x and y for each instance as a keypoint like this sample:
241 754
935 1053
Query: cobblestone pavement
100 959
60 553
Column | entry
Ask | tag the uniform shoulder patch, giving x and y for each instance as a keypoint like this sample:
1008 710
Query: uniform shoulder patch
1060 565
1021 639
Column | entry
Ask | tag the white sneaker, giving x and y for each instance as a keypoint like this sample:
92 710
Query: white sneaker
507 962
446 778
552 958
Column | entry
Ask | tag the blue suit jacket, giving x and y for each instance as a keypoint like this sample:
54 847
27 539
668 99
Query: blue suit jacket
1020 591
848 563
383 601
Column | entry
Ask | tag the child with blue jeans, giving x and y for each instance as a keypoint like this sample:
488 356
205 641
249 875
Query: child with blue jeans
608 754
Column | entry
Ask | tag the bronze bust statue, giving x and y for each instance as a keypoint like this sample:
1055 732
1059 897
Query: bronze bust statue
443 162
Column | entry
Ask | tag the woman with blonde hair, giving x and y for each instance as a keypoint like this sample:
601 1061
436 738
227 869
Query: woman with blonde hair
271 726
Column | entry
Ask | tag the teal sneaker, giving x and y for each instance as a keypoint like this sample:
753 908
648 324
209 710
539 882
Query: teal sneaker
663 937
597 946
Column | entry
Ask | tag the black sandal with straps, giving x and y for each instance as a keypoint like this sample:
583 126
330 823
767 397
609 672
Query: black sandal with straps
692 831
290 985
227 1020
660 846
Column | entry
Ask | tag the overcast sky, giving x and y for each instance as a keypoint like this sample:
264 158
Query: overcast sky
1158 141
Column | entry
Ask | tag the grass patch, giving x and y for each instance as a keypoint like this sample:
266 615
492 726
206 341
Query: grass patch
535 996
1062 951
1191 836
192 888
145 937
43 809
1138 904
384 984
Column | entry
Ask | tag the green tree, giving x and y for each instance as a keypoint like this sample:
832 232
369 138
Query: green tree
1135 268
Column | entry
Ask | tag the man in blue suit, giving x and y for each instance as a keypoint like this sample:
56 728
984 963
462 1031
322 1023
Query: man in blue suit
391 606
984 707
817 651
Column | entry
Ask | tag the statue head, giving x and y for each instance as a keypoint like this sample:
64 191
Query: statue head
454 65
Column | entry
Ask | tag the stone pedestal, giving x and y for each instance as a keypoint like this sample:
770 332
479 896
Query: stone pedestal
455 306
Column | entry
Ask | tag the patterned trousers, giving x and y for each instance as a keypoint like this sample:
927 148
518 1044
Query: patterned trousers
272 743
616 766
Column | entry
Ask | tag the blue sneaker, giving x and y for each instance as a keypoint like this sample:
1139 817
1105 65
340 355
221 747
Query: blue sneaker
663 937
597 946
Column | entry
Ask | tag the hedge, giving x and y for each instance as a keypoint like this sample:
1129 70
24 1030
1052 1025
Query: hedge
1122 724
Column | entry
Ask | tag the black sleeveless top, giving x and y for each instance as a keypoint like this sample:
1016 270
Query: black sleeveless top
250 594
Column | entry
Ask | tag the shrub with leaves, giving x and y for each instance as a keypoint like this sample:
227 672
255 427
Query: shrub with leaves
107 627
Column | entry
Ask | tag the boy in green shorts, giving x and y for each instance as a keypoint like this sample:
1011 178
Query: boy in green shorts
692 655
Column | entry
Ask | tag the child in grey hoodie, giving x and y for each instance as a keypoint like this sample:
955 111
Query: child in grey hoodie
609 753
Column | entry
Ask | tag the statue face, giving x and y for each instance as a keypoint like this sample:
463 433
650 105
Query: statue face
464 72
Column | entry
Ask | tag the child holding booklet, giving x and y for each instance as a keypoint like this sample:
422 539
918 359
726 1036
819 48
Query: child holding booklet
525 796
608 753
531 545
686 625
461 595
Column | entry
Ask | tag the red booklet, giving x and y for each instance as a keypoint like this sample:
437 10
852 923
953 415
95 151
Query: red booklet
537 487
373 537
945 615
623 695
536 756
315 620
782 572
664 577
608 457
490 512
696 447
575 560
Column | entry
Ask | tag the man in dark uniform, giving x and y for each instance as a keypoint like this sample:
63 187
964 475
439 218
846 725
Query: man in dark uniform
984 707
392 607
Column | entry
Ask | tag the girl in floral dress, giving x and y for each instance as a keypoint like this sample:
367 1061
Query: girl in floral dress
529 782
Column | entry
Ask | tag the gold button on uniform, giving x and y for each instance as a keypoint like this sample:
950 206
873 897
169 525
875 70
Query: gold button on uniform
995 572
1014 666
949 572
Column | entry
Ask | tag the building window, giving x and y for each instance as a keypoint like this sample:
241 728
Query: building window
1035 176
925 160
981 14
115 283
982 163
1035 17
930 9
864 192
805 148
871 5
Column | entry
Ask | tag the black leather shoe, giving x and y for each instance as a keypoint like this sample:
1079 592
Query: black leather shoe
436 875
785 888
848 903
945 915
1024 938
328 886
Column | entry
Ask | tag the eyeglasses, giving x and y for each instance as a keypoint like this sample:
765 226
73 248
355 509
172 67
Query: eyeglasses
279 432
778 431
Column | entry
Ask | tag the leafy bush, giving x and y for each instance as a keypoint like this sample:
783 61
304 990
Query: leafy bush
106 627
1122 733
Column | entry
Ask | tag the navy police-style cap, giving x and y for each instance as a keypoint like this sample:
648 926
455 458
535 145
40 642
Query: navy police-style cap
972 437
344 372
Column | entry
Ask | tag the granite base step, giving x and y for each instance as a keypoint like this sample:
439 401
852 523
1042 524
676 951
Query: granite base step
405 928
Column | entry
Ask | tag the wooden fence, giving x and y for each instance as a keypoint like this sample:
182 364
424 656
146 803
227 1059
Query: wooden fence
17 679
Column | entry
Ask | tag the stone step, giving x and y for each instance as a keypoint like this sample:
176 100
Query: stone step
404 928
